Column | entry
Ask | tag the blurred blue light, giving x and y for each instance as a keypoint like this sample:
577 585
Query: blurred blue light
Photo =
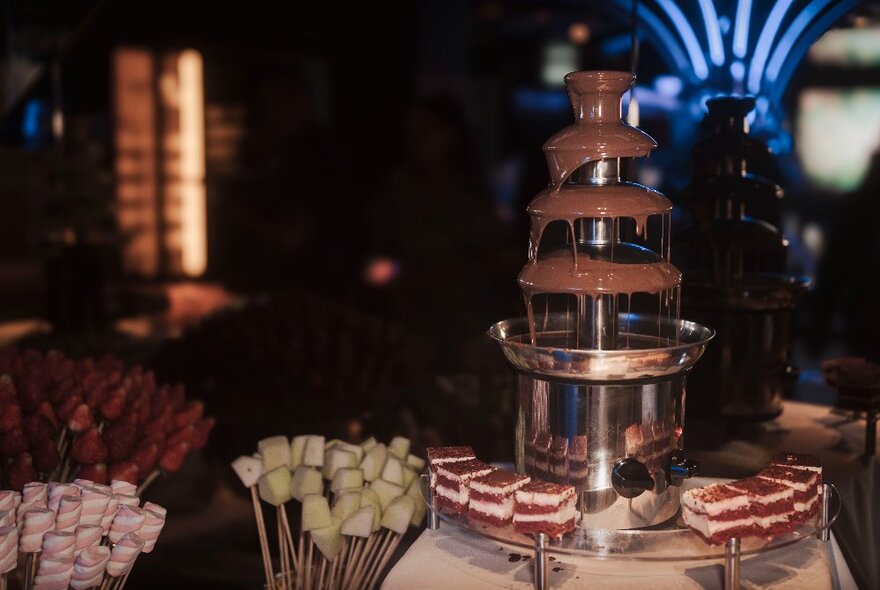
540 101
791 35
724 23
713 32
617 44
741 27
765 41
691 44
668 85
30 123
738 70
667 41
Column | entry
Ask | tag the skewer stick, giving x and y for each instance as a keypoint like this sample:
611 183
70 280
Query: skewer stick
283 566
3 583
373 558
289 536
320 584
389 552
353 559
300 578
339 562
361 558
309 572
30 570
150 479
264 541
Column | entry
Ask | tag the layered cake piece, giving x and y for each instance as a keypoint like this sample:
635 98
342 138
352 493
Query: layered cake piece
544 507
795 461
717 512
542 452
578 461
557 460
451 491
491 496
804 482
442 455
771 505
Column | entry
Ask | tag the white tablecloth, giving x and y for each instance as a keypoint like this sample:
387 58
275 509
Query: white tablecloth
451 558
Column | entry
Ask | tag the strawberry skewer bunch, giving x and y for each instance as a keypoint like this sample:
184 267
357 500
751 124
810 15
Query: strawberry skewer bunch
62 418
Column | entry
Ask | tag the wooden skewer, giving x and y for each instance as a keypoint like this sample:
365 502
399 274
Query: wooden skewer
372 558
150 479
300 578
389 552
309 572
358 564
264 540
339 562
283 566
30 570
353 559
320 584
3 583
289 536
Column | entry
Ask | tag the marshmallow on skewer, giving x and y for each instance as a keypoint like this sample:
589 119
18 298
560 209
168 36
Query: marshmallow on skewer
160 510
35 523
8 549
88 570
58 545
153 523
104 488
53 574
87 535
123 487
129 519
57 490
7 518
83 483
94 505
128 500
110 514
123 554
36 493
69 511
8 501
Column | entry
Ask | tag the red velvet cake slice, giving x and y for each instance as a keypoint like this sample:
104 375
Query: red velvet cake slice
578 462
544 507
795 461
542 452
771 505
805 484
451 492
717 512
558 458
491 496
442 455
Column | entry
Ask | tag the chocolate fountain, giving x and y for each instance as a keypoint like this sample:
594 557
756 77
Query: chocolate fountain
601 387
733 258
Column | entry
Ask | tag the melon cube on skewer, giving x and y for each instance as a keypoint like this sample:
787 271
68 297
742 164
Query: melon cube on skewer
420 507
306 480
274 486
346 504
275 451
409 475
331 443
356 449
415 462
328 539
369 498
399 514
359 524
374 462
369 444
399 447
248 469
335 459
393 470
313 452
297 447
386 491
347 477
315 512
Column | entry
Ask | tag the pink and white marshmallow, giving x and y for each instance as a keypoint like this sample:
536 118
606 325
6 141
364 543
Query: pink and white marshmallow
58 490
58 545
36 493
35 523
109 514
7 518
94 505
123 554
8 501
129 519
123 487
8 549
69 511
126 500
88 535
53 574
88 570
153 523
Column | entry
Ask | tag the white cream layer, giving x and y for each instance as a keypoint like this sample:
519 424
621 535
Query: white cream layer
503 510
561 517
694 499
805 506
539 499
459 497
708 527
479 486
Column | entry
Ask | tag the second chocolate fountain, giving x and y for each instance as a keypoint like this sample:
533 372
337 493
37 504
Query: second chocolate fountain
601 388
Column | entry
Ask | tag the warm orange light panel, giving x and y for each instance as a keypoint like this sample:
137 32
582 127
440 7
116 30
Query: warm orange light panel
193 220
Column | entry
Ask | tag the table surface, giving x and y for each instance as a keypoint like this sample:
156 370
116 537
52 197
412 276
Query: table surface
450 557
